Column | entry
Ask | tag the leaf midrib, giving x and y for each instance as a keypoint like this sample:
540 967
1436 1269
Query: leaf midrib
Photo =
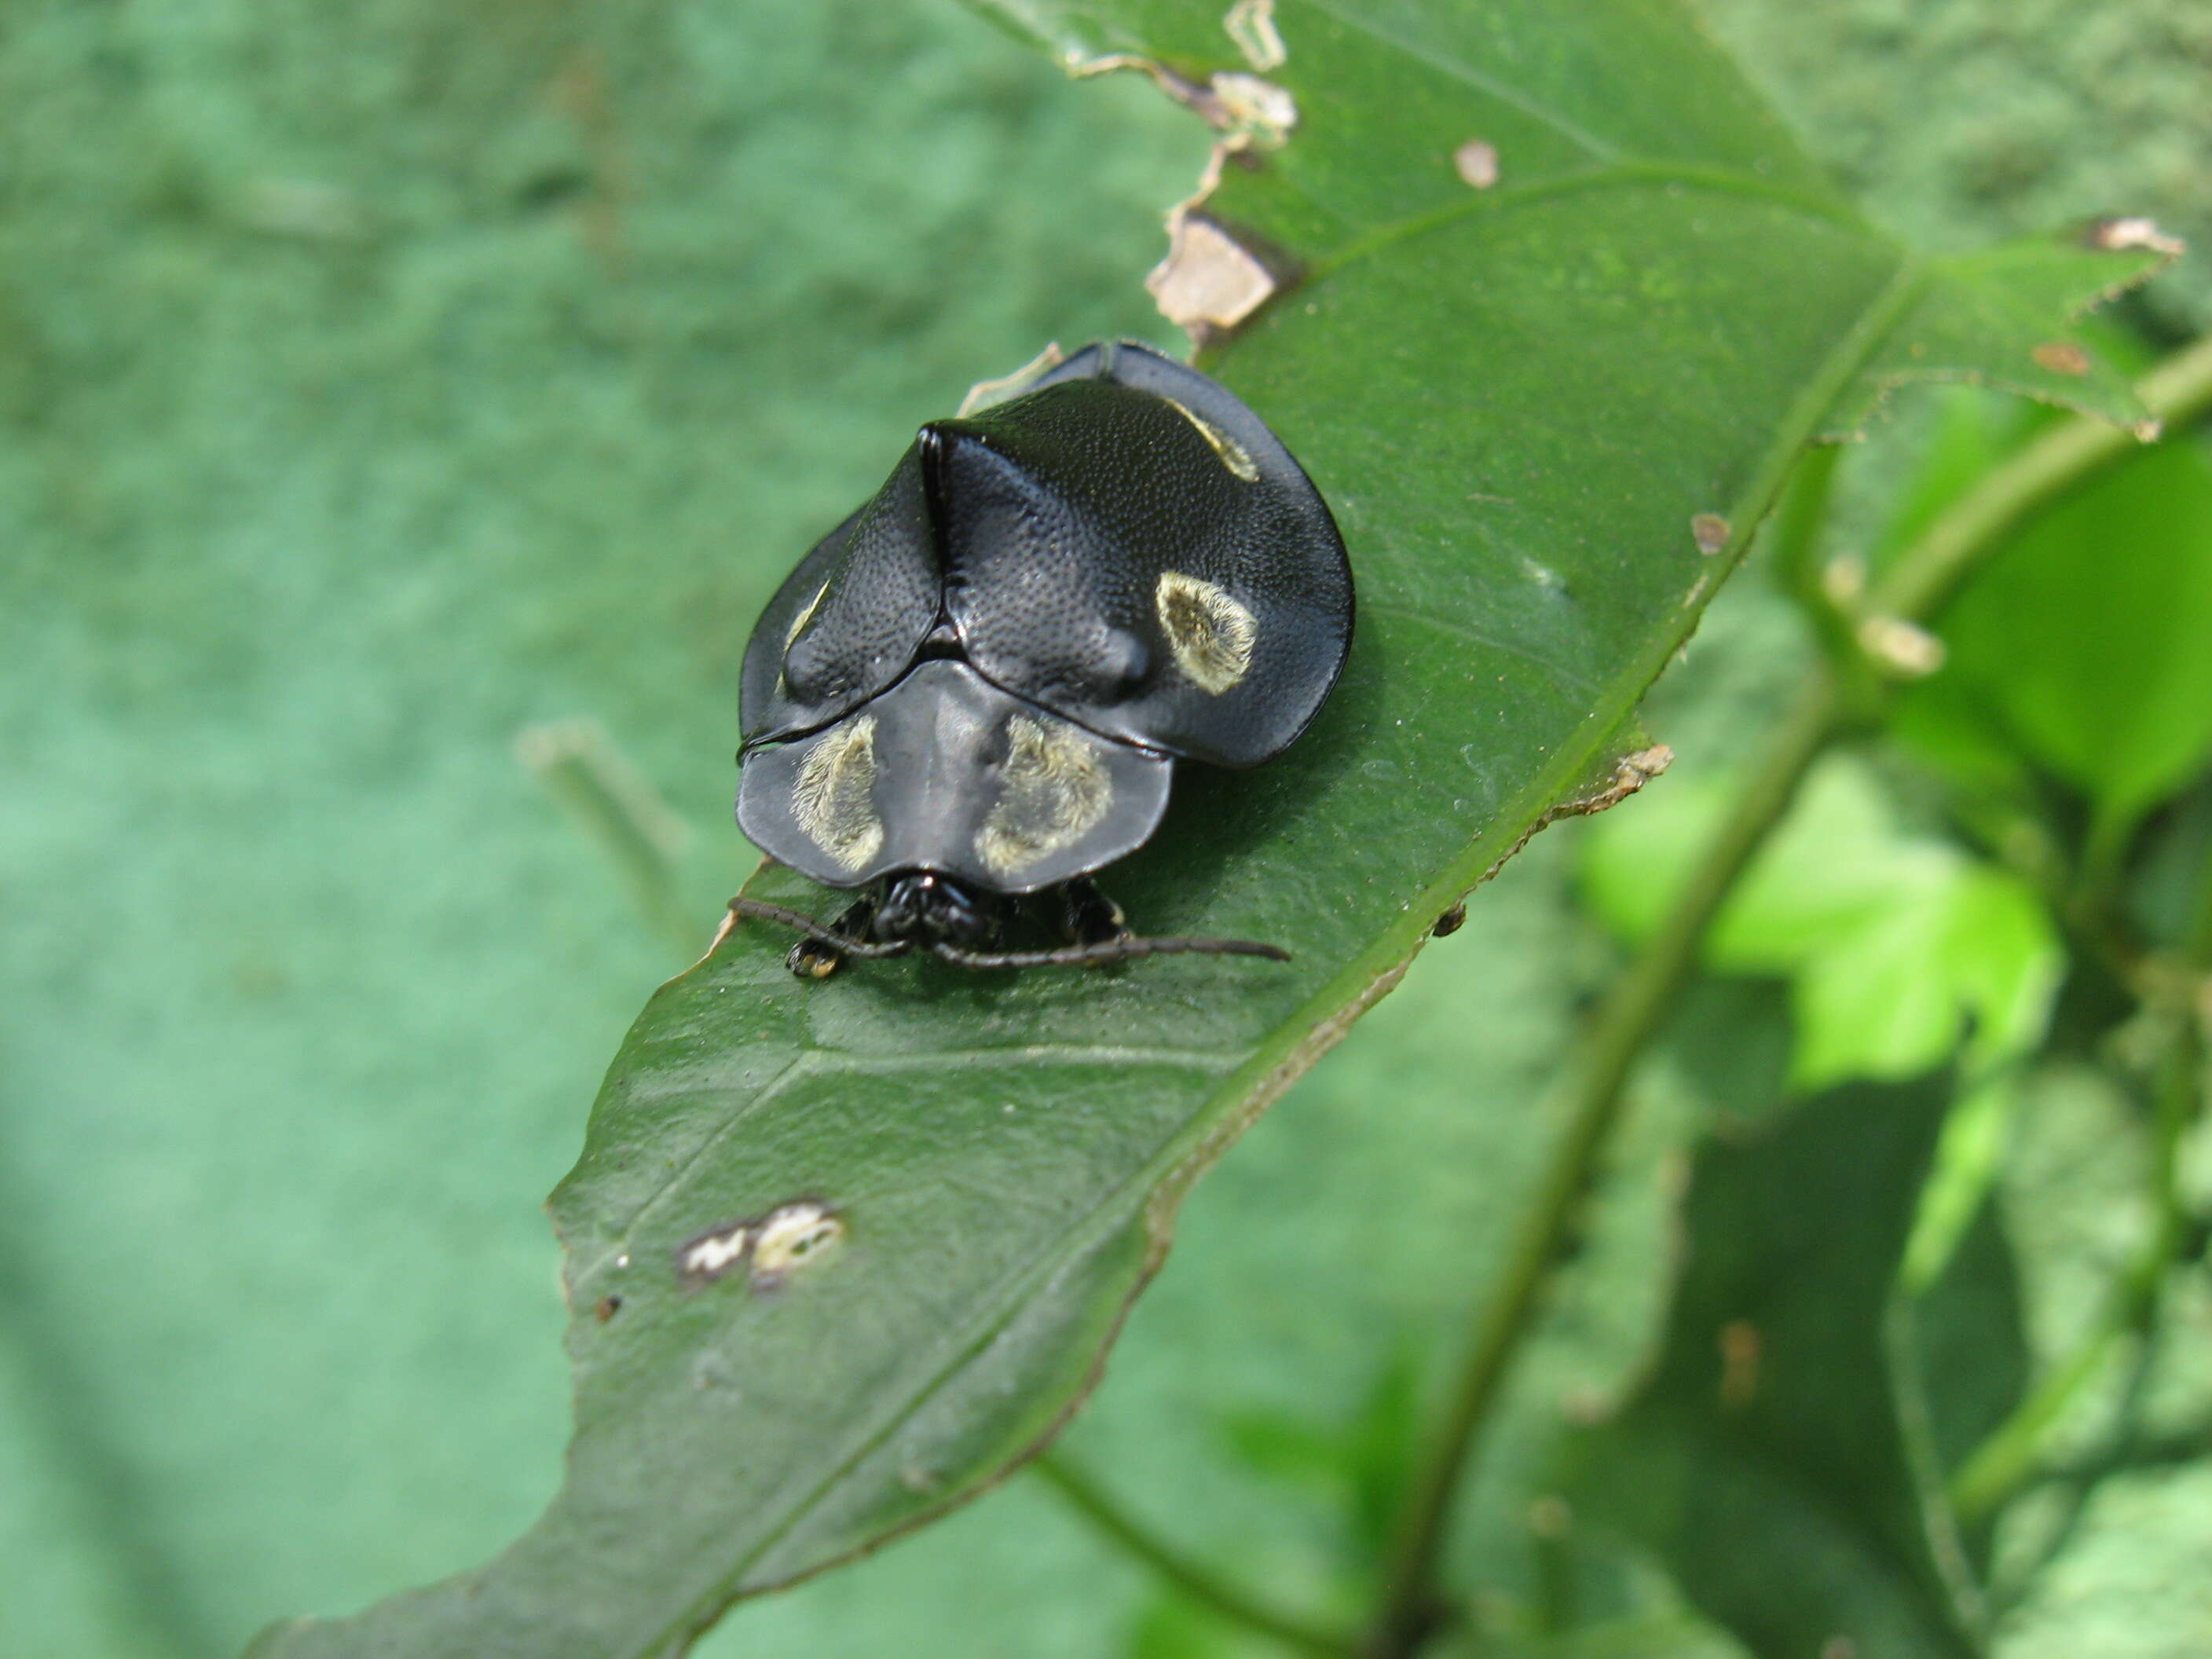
1466 74
1623 176
1266 1070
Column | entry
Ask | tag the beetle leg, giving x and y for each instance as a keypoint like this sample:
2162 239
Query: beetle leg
815 959
1088 916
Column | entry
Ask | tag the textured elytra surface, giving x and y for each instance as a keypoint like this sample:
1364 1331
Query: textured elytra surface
1061 536
1519 402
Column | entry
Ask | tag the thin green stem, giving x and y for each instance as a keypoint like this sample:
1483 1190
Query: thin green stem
1631 1015
1091 1501
1802 521
2012 1455
2176 391
1918 585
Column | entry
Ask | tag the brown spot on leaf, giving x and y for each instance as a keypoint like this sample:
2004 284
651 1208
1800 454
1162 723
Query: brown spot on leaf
606 1307
1551 1516
1741 1348
1476 163
2061 357
1710 532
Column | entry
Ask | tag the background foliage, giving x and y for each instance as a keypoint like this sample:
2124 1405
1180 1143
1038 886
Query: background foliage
381 384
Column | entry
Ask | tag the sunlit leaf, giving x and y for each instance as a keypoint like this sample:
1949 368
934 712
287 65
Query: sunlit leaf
2081 647
1894 943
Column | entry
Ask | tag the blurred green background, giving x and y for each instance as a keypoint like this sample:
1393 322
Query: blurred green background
380 381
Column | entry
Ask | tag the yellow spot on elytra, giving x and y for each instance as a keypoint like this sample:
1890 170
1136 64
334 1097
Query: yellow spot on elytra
1234 455
798 622
1212 634
833 798
798 627
1055 793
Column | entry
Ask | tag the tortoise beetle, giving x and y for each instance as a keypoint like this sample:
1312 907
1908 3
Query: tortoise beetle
977 687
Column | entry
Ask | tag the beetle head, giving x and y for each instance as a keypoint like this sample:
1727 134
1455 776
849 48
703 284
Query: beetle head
929 908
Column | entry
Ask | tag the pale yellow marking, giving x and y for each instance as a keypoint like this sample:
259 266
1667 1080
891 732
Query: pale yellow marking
798 627
1211 633
834 798
1055 793
790 1234
1233 454
798 622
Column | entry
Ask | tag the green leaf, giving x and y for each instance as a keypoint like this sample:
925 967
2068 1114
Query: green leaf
2082 647
1362 1464
1772 1459
1967 1362
1548 413
1892 942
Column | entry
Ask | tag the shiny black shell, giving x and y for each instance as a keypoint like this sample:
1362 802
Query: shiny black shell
989 669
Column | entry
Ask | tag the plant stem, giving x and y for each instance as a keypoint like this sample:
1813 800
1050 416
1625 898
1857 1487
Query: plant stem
1918 585
1930 571
2009 1458
1198 1583
1630 1016
1801 522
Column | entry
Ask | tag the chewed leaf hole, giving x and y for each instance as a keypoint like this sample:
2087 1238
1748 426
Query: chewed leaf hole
770 1246
792 1236
703 1260
1476 163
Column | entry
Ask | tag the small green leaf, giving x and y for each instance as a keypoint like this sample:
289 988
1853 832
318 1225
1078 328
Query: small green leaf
1548 411
1771 1460
1892 942
2082 647
1967 1364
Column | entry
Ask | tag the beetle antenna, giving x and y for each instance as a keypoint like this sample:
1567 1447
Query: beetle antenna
1112 950
814 930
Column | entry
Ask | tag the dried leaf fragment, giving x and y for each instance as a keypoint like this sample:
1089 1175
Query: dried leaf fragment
984 393
1901 646
2124 232
1209 281
1251 24
1244 106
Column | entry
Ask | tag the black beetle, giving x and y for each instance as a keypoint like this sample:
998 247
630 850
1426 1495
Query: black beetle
975 689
